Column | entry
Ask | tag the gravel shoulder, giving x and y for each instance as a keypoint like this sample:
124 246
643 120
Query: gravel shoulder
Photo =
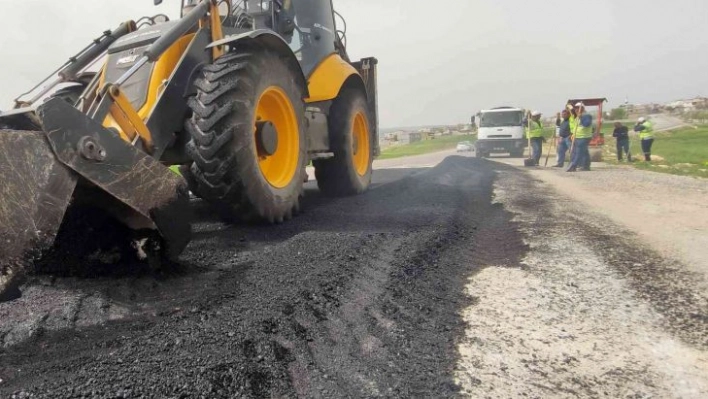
589 312
668 213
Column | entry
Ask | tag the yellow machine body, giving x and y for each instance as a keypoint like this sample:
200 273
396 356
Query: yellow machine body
327 79
162 70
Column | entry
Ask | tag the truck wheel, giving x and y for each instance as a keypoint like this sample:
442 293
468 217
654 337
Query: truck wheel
349 171
247 137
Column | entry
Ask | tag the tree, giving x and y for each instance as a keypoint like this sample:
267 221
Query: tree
618 113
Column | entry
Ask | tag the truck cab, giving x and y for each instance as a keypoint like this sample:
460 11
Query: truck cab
500 130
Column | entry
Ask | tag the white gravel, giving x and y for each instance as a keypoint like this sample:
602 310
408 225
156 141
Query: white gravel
567 324
669 213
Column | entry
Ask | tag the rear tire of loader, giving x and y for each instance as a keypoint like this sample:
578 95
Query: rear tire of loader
247 137
349 171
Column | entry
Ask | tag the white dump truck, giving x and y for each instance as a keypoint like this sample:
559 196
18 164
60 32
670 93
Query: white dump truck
500 130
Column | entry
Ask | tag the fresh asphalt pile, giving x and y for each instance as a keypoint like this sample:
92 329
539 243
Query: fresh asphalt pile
356 297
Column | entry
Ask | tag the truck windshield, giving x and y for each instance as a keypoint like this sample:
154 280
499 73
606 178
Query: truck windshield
501 119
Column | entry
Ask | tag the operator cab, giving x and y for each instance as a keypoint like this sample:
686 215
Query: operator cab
314 34
308 26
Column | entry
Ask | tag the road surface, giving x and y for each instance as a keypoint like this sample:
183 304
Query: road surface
663 122
451 277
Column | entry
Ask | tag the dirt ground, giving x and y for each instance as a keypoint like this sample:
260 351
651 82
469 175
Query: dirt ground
460 278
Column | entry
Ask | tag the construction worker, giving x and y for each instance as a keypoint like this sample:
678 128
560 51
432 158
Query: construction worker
646 134
581 128
621 134
563 123
534 132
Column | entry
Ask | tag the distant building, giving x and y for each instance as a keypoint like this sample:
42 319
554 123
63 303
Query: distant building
410 137
393 136
403 137
636 110
687 105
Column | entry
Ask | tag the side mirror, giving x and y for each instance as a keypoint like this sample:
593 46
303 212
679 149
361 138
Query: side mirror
157 2
472 119
286 26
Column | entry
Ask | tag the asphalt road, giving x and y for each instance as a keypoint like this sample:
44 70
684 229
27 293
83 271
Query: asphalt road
451 277
353 298
664 122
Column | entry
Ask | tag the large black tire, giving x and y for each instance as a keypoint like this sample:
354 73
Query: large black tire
339 175
71 94
226 167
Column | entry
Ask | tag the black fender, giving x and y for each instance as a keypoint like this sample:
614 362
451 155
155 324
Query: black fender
268 39
355 82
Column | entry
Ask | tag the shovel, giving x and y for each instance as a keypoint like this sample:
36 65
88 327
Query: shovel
551 146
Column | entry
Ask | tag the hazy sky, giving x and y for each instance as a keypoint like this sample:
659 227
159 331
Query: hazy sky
441 60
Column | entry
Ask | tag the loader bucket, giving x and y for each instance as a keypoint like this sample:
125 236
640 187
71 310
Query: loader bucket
35 191
75 160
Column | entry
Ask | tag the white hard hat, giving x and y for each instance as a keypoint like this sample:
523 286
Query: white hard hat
579 104
641 119
535 113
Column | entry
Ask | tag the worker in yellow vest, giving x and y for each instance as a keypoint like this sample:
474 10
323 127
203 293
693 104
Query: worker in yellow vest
581 128
646 134
534 132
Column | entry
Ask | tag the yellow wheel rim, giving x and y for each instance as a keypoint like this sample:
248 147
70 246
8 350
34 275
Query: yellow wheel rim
361 146
279 168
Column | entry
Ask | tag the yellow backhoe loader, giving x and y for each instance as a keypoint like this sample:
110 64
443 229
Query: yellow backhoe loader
239 95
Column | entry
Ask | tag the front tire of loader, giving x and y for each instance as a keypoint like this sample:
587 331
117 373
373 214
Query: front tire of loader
349 171
72 94
247 137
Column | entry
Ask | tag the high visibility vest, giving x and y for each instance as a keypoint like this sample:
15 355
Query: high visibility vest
648 132
579 130
535 131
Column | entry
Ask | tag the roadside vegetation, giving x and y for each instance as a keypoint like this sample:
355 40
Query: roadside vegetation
680 152
609 126
426 146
